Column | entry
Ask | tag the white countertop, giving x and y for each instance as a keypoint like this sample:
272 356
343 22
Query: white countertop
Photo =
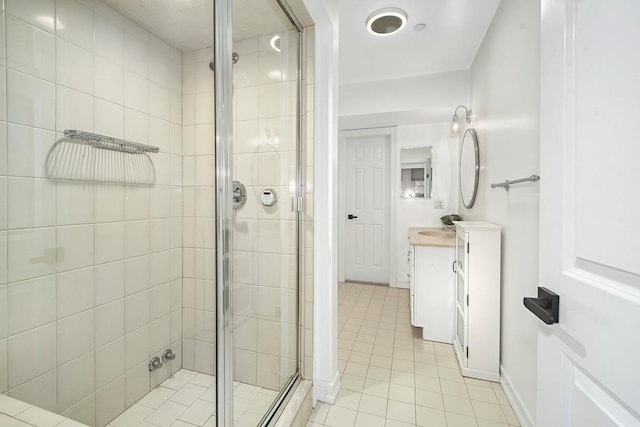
438 238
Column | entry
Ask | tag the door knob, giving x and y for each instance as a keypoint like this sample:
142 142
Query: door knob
546 307
351 216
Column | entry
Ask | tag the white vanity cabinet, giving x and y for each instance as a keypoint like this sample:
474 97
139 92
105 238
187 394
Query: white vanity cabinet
432 283
477 299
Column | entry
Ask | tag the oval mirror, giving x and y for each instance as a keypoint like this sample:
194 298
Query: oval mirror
469 168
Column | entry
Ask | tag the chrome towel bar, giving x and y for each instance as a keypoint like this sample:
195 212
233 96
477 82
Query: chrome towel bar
508 183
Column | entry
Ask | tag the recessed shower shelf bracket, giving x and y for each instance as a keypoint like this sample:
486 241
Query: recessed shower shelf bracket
109 143
508 183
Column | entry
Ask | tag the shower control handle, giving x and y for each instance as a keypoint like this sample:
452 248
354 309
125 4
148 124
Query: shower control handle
168 355
155 363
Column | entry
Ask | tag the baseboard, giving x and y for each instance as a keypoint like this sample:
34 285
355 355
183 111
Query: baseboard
401 285
523 415
326 391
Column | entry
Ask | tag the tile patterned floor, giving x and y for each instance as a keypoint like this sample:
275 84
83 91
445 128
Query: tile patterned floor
392 377
187 399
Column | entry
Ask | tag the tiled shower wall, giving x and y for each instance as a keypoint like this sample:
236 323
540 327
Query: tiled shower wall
90 240
198 210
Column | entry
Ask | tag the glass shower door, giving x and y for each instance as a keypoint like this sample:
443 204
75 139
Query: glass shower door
258 169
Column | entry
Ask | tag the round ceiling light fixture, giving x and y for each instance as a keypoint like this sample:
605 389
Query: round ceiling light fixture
385 22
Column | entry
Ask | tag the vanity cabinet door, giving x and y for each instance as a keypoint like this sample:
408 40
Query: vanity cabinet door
461 319
412 283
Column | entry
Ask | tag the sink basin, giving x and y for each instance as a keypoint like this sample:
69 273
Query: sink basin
435 233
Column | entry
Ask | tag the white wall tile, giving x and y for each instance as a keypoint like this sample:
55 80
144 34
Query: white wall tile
75 336
110 401
3 310
108 118
188 109
28 150
41 391
75 291
269 100
136 238
109 282
205 171
159 334
136 91
204 77
74 110
136 274
29 354
136 126
159 302
31 304
84 411
204 357
176 326
30 101
75 23
160 202
159 101
160 235
136 383
159 134
36 12
136 311
74 66
75 247
110 323
159 66
136 54
109 202
31 202
110 363
204 107
29 49
75 381
74 202
31 253
109 37
136 347
108 80
109 242
176 111
247 107
159 268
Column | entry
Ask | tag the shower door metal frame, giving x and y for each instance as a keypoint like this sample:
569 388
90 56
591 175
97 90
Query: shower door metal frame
223 110
223 122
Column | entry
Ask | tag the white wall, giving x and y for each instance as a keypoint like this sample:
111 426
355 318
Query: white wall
505 99
421 212
422 99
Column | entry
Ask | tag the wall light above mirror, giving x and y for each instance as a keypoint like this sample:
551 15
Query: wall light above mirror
416 173
455 120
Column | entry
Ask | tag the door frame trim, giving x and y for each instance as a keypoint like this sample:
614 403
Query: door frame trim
392 134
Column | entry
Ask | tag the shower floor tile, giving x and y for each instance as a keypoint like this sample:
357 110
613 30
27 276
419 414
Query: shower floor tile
186 399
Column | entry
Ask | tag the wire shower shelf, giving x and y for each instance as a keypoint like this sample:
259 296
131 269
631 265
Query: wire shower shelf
108 143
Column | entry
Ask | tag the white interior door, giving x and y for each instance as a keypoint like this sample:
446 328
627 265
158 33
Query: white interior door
367 209
588 366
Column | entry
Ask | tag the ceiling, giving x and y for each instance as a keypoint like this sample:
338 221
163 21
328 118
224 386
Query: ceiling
187 25
453 34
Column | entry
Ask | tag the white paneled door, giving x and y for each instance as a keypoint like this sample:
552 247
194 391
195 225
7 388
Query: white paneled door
367 209
588 366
